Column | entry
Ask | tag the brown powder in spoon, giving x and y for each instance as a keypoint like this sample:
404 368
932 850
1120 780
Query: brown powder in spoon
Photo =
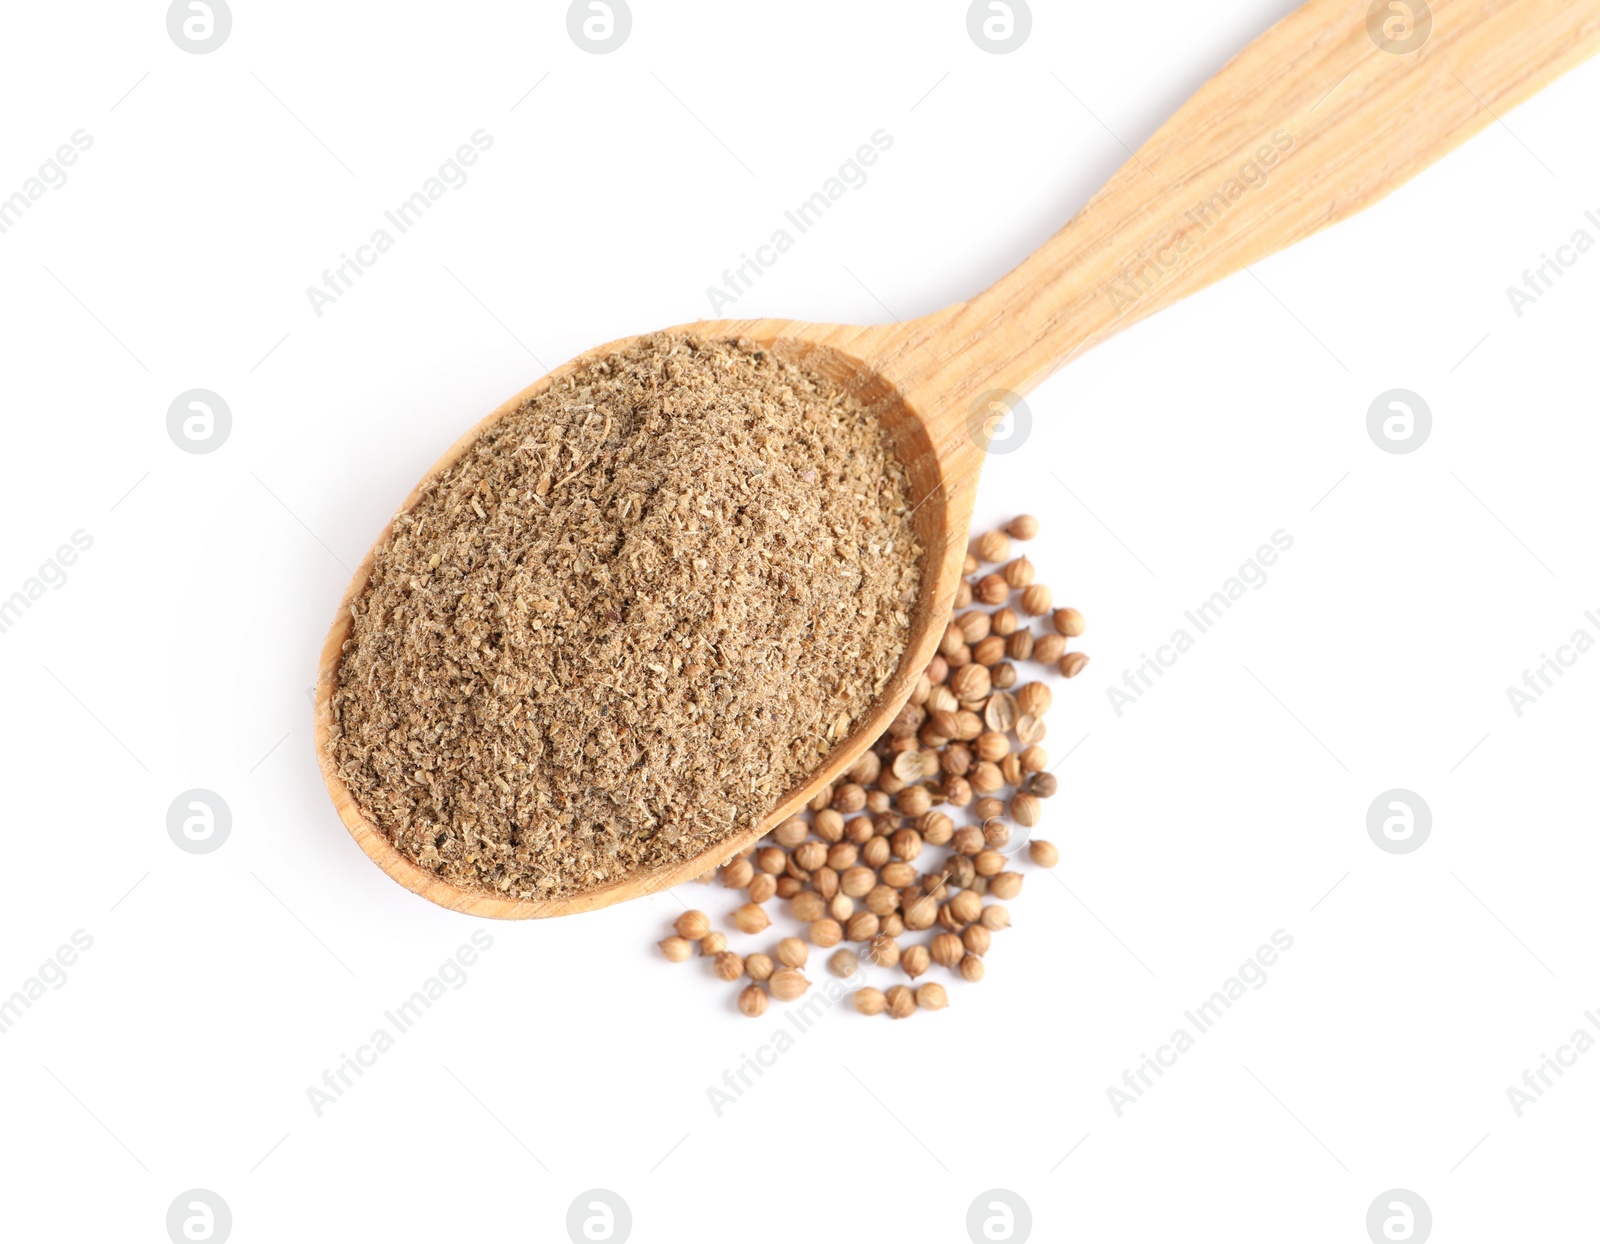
636 613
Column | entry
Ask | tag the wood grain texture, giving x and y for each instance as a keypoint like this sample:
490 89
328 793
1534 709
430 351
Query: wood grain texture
1311 123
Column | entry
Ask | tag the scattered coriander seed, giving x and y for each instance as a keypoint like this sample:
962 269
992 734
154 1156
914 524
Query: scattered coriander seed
1018 574
932 997
946 950
966 906
963 594
736 874
1034 759
989 652
843 963
1068 622
758 967
862 927
751 918
971 968
884 951
984 809
989 863
728 966
808 906
900 1001
1042 785
753 1001
1036 600
994 546
826 933
1019 647
1026 810
986 778
914 961
974 626
676 949
1034 699
1049 649
1043 853
692 924
992 589
762 887
970 565
995 917
870 1001
1023 527
976 939
792 832
792 952
712 945
1003 676
1006 886
787 984
1073 664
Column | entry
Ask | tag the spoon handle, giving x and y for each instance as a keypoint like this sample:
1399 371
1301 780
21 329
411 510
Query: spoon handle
1335 106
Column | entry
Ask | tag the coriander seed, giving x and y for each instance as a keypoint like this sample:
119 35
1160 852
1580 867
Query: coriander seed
751 918
1073 664
945 950
869 1001
932 997
676 949
787 984
914 961
1043 853
1018 574
900 1001
728 966
1026 810
759 967
994 546
792 952
971 968
692 924
826 933
1023 527
753 1001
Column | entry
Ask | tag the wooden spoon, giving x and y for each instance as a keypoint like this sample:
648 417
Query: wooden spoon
1330 110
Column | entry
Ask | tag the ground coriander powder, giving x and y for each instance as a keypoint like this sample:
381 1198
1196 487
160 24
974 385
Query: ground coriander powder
640 609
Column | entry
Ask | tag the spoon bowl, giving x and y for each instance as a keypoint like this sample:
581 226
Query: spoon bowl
1320 117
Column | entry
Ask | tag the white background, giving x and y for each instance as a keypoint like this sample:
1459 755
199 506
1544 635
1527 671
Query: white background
1228 803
